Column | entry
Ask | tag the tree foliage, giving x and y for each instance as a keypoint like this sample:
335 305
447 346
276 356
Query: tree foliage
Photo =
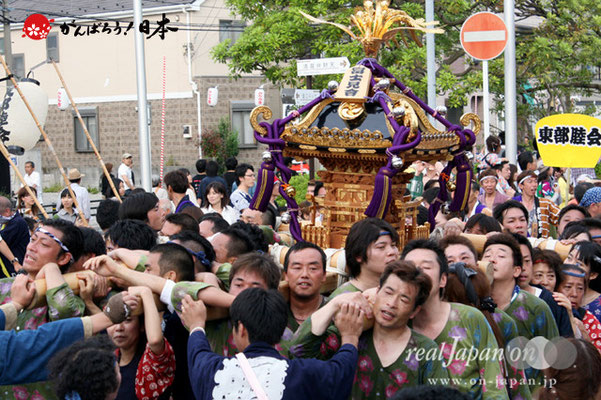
556 56
220 143
300 182
559 59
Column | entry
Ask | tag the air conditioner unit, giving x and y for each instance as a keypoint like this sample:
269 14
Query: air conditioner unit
187 132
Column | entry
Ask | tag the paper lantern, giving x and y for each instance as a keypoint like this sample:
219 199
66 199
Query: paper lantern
259 97
62 100
212 96
18 129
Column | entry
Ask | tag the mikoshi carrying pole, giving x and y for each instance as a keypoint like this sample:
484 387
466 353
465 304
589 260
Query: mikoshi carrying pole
48 142
85 129
6 155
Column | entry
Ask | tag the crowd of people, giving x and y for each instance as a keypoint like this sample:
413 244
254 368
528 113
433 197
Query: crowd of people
176 296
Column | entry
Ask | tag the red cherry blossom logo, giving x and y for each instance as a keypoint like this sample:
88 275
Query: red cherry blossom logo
37 27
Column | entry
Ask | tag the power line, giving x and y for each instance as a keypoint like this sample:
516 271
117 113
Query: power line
69 15
194 27
206 32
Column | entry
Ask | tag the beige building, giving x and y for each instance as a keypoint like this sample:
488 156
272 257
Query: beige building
100 72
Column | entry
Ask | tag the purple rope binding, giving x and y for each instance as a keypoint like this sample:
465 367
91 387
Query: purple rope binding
267 170
466 138
265 178
380 201
463 179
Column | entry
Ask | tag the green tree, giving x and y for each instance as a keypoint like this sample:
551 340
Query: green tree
220 143
300 183
559 58
279 34
556 57
230 138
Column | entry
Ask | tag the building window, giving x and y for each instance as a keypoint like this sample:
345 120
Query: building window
2 45
90 118
18 65
241 123
52 47
229 29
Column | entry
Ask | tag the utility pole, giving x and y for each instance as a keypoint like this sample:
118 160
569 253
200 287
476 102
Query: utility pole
8 53
5 186
511 132
143 132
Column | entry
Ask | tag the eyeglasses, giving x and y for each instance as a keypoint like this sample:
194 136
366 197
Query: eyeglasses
250 176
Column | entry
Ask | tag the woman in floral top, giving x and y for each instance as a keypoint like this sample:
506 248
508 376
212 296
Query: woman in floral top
489 156
503 171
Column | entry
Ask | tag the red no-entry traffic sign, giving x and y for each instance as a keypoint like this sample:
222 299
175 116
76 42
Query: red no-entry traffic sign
484 36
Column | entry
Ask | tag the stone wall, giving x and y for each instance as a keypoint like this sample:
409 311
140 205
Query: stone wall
117 130
243 89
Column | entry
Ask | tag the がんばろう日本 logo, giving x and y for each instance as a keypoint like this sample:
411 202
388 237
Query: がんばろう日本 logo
37 27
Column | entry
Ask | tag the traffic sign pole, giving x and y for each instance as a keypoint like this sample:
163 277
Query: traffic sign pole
485 97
